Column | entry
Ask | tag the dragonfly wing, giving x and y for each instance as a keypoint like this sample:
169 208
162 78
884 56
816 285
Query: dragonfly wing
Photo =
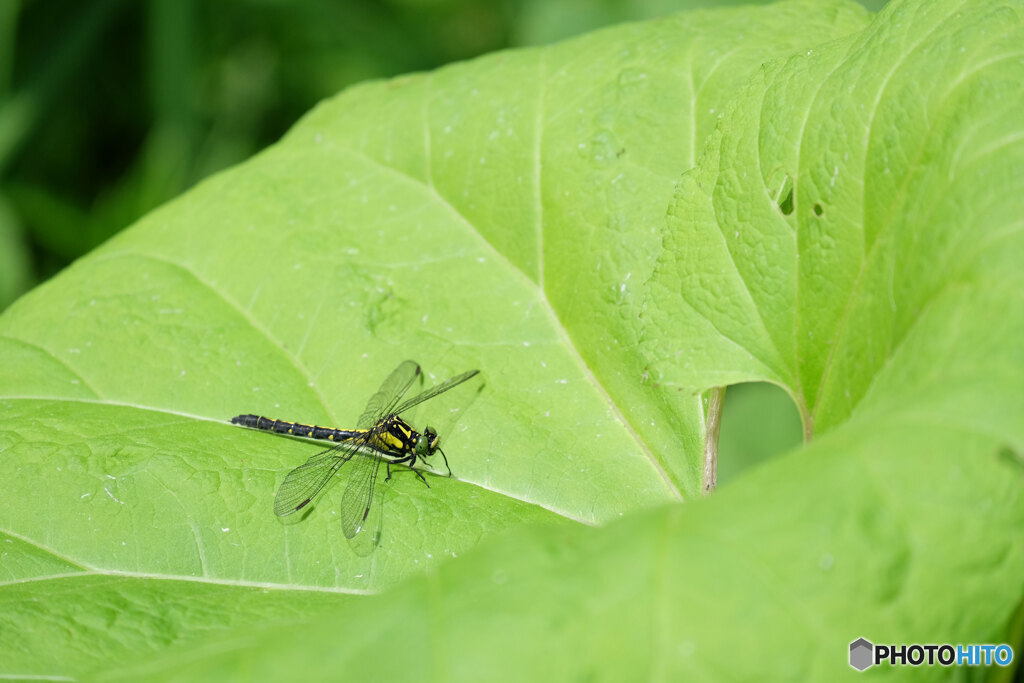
368 538
358 497
433 391
394 387
304 482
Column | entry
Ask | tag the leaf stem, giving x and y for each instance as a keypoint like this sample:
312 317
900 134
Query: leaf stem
712 426
807 418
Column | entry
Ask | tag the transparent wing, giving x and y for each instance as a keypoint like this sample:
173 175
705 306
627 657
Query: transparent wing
304 482
394 387
358 496
369 537
432 392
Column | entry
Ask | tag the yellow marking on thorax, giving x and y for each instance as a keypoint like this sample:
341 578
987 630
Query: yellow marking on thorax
400 442
389 442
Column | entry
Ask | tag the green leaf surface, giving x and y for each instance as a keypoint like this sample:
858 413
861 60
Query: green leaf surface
100 616
500 214
668 595
850 232
852 240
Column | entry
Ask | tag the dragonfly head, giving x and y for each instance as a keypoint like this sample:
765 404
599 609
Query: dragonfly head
428 442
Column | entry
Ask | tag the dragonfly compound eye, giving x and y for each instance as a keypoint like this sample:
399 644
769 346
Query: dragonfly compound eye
427 442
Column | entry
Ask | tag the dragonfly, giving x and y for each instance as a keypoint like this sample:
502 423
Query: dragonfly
380 435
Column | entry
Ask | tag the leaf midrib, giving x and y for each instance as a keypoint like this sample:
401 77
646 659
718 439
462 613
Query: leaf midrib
563 334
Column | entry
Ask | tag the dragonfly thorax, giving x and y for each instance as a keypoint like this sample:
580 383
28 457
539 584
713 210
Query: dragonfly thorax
395 436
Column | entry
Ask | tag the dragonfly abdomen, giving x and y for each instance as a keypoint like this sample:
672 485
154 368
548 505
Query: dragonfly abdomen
295 428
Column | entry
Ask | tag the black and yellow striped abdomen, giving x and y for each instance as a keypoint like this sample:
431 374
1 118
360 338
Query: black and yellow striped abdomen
296 429
393 435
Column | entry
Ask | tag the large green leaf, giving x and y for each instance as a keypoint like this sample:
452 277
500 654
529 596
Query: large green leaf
506 214
854 228
713 591
857 242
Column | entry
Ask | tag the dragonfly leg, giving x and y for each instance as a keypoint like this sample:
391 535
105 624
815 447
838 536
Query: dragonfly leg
390 463
399 461
411 459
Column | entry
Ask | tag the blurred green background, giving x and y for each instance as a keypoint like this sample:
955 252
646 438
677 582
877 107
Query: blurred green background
109 108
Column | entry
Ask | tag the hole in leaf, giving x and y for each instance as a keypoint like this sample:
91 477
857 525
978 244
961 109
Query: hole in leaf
759 421
818 210
786 207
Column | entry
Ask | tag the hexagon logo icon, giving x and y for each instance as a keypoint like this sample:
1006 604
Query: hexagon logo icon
861 654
